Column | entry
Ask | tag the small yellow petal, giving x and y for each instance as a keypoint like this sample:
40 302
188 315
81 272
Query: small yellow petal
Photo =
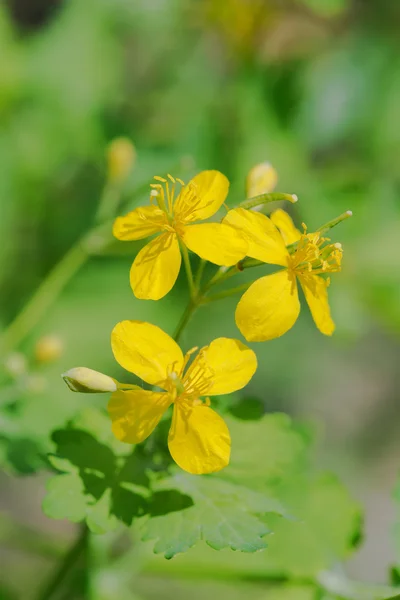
269 308
228 363
199 439
146 350
315 290
121 156
156 267
284 223
265 241
218 243
201 197
262 179
139 223
135 414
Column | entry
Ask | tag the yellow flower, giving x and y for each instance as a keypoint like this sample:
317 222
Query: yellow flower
199 439
270 307
156 267
121 156
261 179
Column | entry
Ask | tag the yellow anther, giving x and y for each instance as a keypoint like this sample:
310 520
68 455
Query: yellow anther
192 350
158 178
180 181
171 178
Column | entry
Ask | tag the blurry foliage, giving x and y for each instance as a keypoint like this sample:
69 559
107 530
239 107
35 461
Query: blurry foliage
312 86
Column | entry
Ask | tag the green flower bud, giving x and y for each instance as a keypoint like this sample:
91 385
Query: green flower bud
87 381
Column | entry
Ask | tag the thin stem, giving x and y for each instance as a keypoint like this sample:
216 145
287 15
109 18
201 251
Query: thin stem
69 561
266 198
226 293
188 268
188 312
334 222
199 275
44 297
109 203
200 295
220 276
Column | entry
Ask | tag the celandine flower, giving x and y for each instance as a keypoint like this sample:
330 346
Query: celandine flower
270 307
261 179
156 267
199 439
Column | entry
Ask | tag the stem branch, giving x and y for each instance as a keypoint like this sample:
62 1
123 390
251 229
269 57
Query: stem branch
44 297
188 268
66 565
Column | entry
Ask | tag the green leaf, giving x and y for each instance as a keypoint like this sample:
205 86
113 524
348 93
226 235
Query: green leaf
66 498
266 451
326 527
99 483
223 514
229 508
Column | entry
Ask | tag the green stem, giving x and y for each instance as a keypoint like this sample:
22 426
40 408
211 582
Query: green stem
199 274
109 203
325 228
189 273
44 297
226 293
266 198
220 276
188 312
66 565
199 296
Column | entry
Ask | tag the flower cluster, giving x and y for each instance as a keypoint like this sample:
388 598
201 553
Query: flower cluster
199 439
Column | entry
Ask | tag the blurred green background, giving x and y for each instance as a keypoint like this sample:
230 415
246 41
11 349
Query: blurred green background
313 86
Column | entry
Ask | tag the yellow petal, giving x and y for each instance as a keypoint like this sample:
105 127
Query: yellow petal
269 308
227 363
265 241
201 197
139 223
146 350
220 244
156 267
316 292
261 179
199 439
134 414
284 223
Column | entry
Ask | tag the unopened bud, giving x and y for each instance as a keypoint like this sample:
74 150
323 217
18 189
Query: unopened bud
82 379
121 156
262 179
48 349
15 364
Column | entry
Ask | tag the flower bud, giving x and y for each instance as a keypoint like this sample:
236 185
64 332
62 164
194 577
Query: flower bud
82 379
261 179
48 349
15 364
121 156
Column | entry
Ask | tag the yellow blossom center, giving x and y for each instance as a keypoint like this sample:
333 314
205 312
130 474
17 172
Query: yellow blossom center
314 254
163 192
197 381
